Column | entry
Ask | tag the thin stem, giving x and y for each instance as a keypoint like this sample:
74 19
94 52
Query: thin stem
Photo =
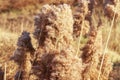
5 72
109 34
80 37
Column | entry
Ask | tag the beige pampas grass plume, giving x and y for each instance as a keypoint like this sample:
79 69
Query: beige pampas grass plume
110 11
22 55
53 30
80 13
92 53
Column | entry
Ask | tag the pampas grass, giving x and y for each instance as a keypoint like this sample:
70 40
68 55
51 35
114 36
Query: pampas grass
55 30
56 40
22 55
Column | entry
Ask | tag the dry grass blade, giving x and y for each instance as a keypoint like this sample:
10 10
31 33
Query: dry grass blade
78 47
106 45
5 72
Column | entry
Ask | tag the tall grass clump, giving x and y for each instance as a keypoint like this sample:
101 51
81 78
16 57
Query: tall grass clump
55 56
22 56
54 28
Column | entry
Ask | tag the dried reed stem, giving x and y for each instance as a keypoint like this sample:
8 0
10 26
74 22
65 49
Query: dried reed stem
78 48
5 71
106 45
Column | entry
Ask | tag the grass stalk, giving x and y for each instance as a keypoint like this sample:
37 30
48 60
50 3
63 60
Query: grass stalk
106 45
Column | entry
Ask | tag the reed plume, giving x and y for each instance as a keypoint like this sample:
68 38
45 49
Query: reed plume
55 28
22 55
